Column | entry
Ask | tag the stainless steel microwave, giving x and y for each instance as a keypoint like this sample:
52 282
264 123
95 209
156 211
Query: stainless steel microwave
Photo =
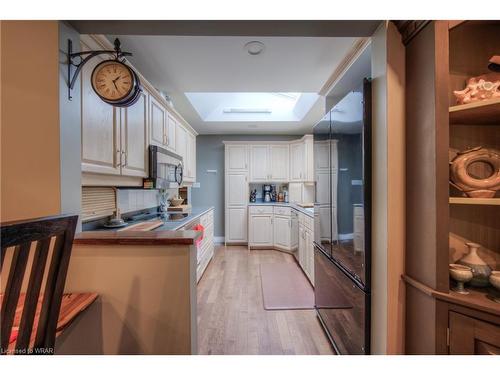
165 169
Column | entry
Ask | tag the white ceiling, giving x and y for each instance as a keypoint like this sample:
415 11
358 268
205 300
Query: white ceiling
179 64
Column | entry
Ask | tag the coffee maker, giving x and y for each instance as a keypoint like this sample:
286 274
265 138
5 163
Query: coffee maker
266 193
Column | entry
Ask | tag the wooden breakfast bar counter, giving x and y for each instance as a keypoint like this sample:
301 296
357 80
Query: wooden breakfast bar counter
146 282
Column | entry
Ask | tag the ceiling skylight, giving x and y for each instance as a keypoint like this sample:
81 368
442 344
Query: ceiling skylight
251 106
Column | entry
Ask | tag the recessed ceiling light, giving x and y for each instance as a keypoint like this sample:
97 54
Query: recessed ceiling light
254 47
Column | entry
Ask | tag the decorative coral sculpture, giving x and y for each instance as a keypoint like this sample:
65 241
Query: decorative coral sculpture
483 87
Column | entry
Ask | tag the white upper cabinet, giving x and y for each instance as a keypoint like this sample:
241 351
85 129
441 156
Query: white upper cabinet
134 124
158 121
181 143
171 127
279 158
309 158
115 140
100 127
190 174
322 155
297 162
236 158
269 163
259 163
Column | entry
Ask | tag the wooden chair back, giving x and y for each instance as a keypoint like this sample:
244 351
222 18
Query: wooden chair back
35 235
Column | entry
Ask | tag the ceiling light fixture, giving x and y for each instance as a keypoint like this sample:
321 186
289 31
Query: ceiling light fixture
254 47
247 110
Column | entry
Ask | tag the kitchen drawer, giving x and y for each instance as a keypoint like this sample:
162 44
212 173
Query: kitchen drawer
207 218
306 221
285 211
260 209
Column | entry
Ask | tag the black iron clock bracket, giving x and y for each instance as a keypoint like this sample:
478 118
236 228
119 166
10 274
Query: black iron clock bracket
72 56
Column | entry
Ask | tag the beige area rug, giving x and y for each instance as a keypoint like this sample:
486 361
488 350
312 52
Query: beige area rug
285 287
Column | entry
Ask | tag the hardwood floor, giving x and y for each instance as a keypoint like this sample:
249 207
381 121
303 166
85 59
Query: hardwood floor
231 315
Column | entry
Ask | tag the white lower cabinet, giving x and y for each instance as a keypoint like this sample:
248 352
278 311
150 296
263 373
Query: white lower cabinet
282 232
261 229
236 224
306 247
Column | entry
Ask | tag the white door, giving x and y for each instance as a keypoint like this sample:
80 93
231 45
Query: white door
170 131
279 158
296 161
282 226
295 192
236 224
158 119
191 157
309 254
261 230
259 163
134 124
236 189
236 158
100 128
294 232
302 247
324 223
309 158
323 188
321 155
181 143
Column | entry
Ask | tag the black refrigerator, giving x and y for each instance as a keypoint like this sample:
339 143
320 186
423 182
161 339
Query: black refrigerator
342 221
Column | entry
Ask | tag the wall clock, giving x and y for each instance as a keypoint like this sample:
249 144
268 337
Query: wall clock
113 80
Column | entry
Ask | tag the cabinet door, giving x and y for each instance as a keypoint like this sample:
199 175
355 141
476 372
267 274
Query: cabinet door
294 232
473 336
100 127
181 144
325 220
279 159
170 131
134 138
302 247
296 161
321 155
282 228
295 192
310 255
236 224
259 163
309 158
236 158
236 189
261 230
157 120
191 157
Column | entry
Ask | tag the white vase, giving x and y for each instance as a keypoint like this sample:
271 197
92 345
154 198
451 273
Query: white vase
480 270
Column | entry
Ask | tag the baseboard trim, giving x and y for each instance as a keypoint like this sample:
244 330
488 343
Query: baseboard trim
219 239
346 236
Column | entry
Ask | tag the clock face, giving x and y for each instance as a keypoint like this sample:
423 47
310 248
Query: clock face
112 80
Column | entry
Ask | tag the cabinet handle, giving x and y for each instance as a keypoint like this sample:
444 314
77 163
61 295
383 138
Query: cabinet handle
124 153
119 157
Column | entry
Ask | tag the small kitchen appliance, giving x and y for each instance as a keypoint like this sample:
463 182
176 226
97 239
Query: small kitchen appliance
266 193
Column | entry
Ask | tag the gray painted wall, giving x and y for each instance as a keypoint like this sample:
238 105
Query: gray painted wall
70 132
210 155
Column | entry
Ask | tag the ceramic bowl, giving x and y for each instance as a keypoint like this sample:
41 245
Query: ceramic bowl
460 273
176 202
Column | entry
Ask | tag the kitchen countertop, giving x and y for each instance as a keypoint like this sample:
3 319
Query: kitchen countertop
307 211
167 234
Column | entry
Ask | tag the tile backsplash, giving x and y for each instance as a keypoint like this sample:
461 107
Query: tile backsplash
130 200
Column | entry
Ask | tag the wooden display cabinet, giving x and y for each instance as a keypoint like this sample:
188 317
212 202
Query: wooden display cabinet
439 59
